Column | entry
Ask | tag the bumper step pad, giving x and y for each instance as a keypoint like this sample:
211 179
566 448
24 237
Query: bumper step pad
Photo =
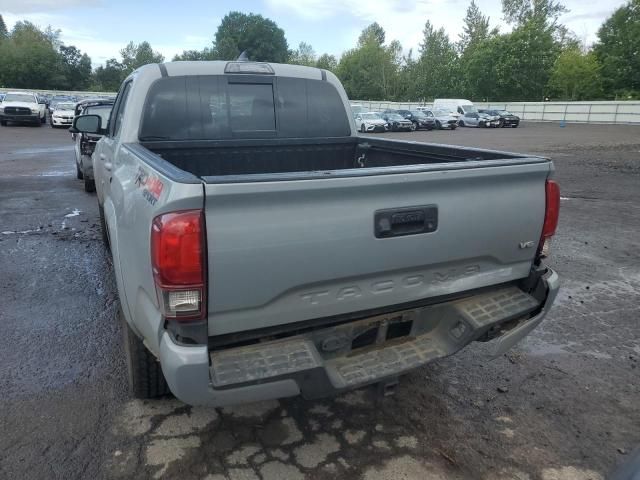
383 361
497 306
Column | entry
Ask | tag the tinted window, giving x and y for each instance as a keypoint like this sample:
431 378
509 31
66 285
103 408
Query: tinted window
251 107
102 110
121 107
211 107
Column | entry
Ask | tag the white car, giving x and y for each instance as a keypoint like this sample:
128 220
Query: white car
22 107
63 115
371 122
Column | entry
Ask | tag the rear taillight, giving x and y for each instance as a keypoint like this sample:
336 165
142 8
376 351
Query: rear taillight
178 259
551 213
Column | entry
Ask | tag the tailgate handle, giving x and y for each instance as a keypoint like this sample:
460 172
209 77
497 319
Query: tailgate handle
396 222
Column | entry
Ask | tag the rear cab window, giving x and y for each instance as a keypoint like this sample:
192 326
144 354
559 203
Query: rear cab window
214 107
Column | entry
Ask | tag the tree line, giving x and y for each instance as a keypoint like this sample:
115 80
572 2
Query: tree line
539 58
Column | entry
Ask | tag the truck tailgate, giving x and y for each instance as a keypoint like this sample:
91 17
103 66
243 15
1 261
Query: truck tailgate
286 251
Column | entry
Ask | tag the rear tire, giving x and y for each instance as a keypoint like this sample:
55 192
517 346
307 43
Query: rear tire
144 372
89 185
103 229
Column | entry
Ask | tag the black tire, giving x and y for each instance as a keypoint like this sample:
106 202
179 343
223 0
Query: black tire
501 124
43 119
79 174
89 185
438 125
453 127
103 229
144 372
363 129
3 123
414 126
460 123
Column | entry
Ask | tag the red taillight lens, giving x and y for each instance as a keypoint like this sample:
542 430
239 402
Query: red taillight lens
552 210
177 256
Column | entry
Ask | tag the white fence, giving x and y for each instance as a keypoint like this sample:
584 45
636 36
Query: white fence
575 112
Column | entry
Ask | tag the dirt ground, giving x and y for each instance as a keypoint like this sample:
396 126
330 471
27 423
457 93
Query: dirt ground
564 404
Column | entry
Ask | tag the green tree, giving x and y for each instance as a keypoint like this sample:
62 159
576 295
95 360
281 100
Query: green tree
370 71
76 68
303 55
28 58
4 33
108 78
576 76
327 62
374 33
543 12
436 72
135 56
618 50
475 27
205 54
260 37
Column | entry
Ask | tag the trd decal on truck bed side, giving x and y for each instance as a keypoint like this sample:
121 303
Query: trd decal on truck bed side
152 186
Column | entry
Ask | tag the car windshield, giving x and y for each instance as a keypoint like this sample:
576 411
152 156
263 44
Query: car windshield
394 116
19 97
371 116
65 106
441 113
419 113
469 108
104 111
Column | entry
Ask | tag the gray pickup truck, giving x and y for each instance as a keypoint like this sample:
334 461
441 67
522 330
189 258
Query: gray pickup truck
263 249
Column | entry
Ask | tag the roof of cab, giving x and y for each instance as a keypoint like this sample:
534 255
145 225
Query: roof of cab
217 67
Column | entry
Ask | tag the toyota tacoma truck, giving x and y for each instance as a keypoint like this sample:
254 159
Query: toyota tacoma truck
263 249
22 107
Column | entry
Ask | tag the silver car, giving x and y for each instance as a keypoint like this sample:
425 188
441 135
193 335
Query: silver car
443 119
477 119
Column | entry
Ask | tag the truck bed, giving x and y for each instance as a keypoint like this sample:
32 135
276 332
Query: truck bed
214 159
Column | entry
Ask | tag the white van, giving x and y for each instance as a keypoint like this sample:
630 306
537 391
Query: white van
455 106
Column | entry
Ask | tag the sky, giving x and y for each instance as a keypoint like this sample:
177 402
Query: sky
102 27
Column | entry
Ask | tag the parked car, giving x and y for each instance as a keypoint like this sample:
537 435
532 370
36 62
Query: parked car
478 119
62 115
59 99
443 120
371 122
22 107
507 119
397 122
259 259
85 143
419 119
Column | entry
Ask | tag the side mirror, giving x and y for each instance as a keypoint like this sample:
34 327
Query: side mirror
87 124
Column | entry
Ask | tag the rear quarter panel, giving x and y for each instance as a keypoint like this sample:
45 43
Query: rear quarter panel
140 192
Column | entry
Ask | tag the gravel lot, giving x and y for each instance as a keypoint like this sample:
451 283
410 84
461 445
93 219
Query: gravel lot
564 404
